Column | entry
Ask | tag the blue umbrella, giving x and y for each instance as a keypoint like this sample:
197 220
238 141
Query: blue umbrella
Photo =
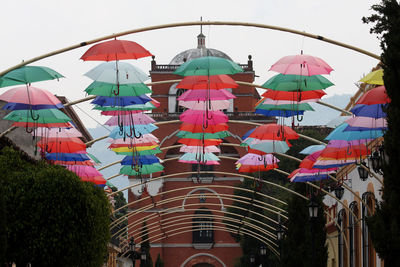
372 111
248 133
355 128
67 156
319 165
311 149
279 113
310 178
267 146
139 129
340 134
140 160
20 106
120 101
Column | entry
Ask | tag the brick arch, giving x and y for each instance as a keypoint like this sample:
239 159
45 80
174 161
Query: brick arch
203 258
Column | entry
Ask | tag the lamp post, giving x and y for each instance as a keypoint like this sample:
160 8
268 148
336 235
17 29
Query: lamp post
313 214
135 255
263 253
279 235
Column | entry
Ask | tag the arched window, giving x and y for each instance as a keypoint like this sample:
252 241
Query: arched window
179 109
341 246
205 234
367 249
354 235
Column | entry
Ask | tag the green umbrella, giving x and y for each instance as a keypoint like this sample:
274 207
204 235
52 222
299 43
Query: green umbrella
96 160
28 74
144 169
208 66
147 106
38 116
295 106
288 82
108 89
218 135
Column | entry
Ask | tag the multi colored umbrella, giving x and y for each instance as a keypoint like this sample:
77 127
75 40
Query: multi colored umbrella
137 118
198 128
202 117
273 131
196 149
144 169
41 116
65 145
199 157
372 111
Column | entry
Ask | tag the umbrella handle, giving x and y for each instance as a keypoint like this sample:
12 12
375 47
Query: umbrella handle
348 151
265 163
33 116
299 118
261 158
116 92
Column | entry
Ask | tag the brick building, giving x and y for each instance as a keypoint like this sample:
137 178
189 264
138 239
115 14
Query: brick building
170 203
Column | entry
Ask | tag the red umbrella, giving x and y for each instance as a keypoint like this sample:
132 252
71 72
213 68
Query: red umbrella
47 125
252 168
294 96
221 81
351 152
199 142
56 145
273 131
201 117
374 96
30 95
115 50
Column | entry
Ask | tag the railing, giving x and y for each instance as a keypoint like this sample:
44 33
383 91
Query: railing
171 68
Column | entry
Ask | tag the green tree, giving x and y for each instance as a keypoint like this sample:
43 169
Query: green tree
146 247
303 235
384 225
159 261
53 218
3 220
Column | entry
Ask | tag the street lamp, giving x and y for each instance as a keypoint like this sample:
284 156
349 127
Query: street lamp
376 161
263 250
135 255
339 191
313 208
252 259
279 232
363 171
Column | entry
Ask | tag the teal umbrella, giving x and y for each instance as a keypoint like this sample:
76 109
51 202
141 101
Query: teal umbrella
208 66
295 106
27 75
218 135
289 82
108 89
38 116
147 106
143 169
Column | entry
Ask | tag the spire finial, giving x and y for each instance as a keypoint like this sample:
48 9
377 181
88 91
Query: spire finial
201 26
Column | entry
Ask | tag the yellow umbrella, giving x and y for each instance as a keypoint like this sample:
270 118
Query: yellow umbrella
127 149
374 77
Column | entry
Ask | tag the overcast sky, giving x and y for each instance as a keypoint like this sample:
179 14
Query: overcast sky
32 28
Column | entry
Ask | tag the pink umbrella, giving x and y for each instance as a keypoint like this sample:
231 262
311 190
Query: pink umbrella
84 171
136 118
202 117
195 149
255 159
367 122
146 138
305 65
56 132
205 105
205 95
29 95
208 162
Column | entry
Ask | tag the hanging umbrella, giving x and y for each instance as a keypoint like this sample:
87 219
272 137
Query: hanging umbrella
296 176
337 121
221 81
255 160
374 77
19 106
107 73
137 118
74 157
132 145
38 125
144 169
373 111
41 116
293 95
199 157
286 107
139 149
140 160
196 149
297 83
330 163
205 105
139 129
258 168
273 131
108 89
127 152
218 135
311 149
367 122
56 145
197 128
208 66
27 75
268 101
147 138
269 146
374 96
199 142
301 65
340 134
115 50
30 95
203 118
279 113
120 101
56 132
118 109
206 95
349 152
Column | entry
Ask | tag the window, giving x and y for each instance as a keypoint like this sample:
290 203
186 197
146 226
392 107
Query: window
203 232
179 109
203 167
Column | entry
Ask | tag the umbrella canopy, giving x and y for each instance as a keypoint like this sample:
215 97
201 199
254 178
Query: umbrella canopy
133 144
107 73
30 95
340 134
332 163
135 149
293 95
145 138
311 149
258 168
197 128
208 66
273 131
19 106
297 83
57 132
198 157
201 117
255 159
197 149
55 145
137 118
27 75
221 81
199 142
139 129
350 152
367 122
301 65
140 160
115 50
120 101
269 146
287 107
218 135
372 111
205 105
149 151
41 116
375 77
67 157
146 106
206 95
296 176
144 169
374 96
38 125
279 113
108 89
268 101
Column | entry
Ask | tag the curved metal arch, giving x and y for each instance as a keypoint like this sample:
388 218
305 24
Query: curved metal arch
192 23
202 254
203 189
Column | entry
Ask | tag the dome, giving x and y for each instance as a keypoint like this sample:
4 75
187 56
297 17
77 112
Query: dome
200 51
